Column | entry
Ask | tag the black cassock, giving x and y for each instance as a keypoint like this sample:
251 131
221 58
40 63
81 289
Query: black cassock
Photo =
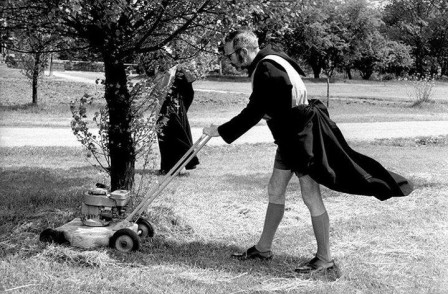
175 134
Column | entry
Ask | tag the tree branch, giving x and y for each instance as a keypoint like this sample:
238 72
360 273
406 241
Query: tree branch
178 31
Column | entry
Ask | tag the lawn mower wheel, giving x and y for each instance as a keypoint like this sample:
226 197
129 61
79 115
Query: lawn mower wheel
145 229
125 240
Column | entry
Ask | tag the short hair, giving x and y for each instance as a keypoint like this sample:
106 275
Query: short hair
242 39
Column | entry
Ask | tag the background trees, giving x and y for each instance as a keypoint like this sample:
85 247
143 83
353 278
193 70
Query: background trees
395 37
118 30
333 35
121 30
422 25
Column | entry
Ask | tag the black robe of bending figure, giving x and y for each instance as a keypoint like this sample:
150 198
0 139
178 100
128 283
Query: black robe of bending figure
175 134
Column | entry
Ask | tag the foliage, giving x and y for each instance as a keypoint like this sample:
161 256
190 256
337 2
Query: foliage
29 63
362 36
367 35
11 61
419 88
368 55
318 37
394 58
326 34
118 30
97 145
421 25
146 98
33 56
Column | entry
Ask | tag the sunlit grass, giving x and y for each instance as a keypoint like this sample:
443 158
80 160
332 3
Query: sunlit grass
396 246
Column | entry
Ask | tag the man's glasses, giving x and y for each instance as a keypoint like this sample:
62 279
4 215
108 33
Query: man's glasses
229 56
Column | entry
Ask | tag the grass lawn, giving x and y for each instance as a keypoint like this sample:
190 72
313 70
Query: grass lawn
395 246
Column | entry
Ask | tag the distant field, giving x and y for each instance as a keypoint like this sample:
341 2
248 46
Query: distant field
390 90
386 90
215 101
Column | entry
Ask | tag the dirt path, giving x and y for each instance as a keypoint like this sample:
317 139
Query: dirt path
10 137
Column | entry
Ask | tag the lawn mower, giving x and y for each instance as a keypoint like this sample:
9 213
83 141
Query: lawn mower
104 221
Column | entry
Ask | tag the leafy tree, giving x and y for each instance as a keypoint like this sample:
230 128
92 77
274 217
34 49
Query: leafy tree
317 37
34 57
394 58
118 30
438 43
420 24
362 36
31 48
145 97
368 55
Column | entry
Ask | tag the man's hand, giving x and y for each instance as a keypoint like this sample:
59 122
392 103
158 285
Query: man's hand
212 131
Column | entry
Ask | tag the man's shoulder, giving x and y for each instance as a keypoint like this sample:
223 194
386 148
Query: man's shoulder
269 67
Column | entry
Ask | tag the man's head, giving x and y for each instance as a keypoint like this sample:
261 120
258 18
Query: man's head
241 47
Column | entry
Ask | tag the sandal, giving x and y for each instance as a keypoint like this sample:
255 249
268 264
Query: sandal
314 265
253 253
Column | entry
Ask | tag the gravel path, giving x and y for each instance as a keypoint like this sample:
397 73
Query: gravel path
10 137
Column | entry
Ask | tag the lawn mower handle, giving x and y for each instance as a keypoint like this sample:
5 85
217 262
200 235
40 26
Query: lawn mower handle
174 171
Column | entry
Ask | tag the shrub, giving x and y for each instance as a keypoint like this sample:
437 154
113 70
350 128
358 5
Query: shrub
146 97
10 61
419 88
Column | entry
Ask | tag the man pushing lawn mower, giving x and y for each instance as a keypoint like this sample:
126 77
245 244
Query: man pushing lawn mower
310 145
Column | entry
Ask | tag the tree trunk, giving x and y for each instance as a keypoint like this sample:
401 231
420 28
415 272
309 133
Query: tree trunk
444 67
314 61
50 67
419 55
35 77
316 70
348 71
121 143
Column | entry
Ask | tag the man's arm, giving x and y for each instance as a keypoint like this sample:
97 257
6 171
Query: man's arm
262 97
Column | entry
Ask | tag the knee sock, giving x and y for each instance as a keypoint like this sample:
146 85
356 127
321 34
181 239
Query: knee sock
321 228
274 215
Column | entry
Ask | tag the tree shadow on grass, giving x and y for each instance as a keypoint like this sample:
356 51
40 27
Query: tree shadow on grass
217 256
173 246
28 191
51 183
175 243
16 107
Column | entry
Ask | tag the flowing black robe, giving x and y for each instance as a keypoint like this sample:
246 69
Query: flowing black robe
175 134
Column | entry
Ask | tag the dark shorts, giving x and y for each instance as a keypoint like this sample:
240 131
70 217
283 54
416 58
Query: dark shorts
279 163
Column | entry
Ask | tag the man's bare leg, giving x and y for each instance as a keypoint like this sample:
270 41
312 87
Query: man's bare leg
319 217
276 207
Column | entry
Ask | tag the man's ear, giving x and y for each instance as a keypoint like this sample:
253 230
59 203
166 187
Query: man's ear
244 52
242 55
240 58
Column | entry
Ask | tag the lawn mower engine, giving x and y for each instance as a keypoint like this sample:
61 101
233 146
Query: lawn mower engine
99 207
